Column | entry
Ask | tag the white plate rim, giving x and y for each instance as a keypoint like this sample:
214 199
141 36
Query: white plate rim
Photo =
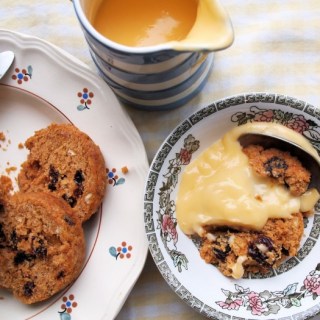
67 66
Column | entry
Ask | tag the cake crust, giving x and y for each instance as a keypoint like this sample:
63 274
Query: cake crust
65 162
42 246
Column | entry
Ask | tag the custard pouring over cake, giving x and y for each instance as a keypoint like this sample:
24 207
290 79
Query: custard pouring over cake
233 197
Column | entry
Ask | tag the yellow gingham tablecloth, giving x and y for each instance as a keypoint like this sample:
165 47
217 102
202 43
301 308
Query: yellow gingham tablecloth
276 49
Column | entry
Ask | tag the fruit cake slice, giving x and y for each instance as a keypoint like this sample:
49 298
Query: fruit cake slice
42 246
66 162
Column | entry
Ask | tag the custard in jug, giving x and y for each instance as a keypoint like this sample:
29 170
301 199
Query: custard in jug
145 22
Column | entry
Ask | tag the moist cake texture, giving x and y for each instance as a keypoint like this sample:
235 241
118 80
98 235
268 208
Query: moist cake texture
65 162
235 252
281 166
42 245
62 184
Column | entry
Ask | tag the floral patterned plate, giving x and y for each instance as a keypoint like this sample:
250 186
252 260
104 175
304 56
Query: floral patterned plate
46 85
291 291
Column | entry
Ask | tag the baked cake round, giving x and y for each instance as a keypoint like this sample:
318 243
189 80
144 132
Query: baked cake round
65 161
42 246
235 252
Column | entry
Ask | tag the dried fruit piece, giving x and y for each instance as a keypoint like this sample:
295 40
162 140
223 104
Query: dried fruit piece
70 200
276 167
222 254
54 177
259 248
28 288
78 177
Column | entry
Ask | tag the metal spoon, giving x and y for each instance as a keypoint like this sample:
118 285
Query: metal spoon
6 59
306 158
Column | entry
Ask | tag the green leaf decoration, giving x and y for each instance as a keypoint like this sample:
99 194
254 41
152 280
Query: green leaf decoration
81 107
65 316
113 251
285 302
272 309
184 262
296 302
227 293
120 181
290 289
266 294
30 70
239 288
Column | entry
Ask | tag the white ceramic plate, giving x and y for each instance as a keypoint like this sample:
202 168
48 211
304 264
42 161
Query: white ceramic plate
46 85
290 292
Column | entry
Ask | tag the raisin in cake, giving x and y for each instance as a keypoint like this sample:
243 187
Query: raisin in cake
42 246
65 162
235 252
280 165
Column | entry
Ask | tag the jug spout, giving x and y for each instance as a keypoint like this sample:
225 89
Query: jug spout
212 30
162 74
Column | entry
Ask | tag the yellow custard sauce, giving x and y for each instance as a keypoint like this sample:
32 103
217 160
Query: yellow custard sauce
145 22
219 187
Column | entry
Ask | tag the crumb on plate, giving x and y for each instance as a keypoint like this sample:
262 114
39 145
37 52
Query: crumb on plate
11 169
2 136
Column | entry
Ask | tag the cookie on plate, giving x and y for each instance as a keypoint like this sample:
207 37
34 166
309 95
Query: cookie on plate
66 162
42 246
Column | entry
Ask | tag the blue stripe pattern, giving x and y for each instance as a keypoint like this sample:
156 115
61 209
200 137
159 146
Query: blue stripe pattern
157 80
